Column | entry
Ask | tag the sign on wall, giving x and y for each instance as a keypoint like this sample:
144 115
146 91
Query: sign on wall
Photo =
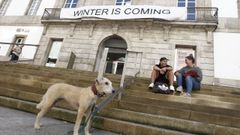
125 12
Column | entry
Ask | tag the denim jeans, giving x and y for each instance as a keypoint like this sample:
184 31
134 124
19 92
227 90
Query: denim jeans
188 82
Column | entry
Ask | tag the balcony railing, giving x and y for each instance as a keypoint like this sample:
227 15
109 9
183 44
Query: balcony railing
197 14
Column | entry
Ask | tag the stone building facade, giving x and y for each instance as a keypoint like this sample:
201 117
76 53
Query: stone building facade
155 38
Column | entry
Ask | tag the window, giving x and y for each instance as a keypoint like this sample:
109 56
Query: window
19 40
70 4
3 7
54 53
123 2
190 4
34 5
181 52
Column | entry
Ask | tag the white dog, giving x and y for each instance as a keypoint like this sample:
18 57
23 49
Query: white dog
79 98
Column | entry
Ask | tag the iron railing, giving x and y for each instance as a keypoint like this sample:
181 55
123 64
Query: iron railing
201 14
123 85
5 49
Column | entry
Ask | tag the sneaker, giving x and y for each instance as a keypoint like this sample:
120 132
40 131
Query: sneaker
171 88
151 85
180 89
187 95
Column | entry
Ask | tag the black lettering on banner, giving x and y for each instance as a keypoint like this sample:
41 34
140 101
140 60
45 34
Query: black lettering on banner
166 11
127 11
105 11
98 12
77 13
86 12
117 11
112 11
92 11
143 11
155 11
136 11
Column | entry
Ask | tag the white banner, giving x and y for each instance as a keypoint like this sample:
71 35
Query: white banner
125 12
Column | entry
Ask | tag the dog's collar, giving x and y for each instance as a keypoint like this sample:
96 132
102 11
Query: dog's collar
94 90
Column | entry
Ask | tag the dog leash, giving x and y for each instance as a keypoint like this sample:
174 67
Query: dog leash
93 113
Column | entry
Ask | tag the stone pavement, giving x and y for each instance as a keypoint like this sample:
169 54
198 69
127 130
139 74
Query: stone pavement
14 122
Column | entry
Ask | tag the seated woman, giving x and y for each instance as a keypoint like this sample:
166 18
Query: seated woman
189 77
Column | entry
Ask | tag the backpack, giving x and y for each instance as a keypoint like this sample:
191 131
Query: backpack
161 88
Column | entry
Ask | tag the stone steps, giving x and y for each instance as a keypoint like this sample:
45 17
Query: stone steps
36 98
140 111
114 125
135 107
199 116
166 122
188 104
39 87
142 84
195 95
52 77
62 72
125 119
204 90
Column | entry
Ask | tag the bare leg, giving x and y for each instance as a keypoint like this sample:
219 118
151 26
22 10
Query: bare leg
170 77
154 75
78 121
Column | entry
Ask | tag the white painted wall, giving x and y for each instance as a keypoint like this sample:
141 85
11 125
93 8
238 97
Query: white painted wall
45 4
227 8
33 36
19 7
227 55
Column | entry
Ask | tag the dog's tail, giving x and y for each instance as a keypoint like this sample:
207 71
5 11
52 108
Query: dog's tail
39 106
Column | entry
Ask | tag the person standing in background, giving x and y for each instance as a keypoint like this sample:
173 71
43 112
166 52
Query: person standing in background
16 51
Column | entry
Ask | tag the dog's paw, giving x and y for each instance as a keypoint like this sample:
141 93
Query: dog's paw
37 126
87 133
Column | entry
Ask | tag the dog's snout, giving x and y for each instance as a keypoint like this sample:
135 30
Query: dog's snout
113 91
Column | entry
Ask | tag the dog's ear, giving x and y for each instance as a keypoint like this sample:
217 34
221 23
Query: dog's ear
97 82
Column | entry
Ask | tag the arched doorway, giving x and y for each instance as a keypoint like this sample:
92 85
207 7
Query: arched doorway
116 54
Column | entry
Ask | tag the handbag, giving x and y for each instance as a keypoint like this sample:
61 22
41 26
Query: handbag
161 88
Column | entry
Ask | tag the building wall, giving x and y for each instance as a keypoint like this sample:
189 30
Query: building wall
227 65
153 40
152 44
32 34
46 4
20 7
226 40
